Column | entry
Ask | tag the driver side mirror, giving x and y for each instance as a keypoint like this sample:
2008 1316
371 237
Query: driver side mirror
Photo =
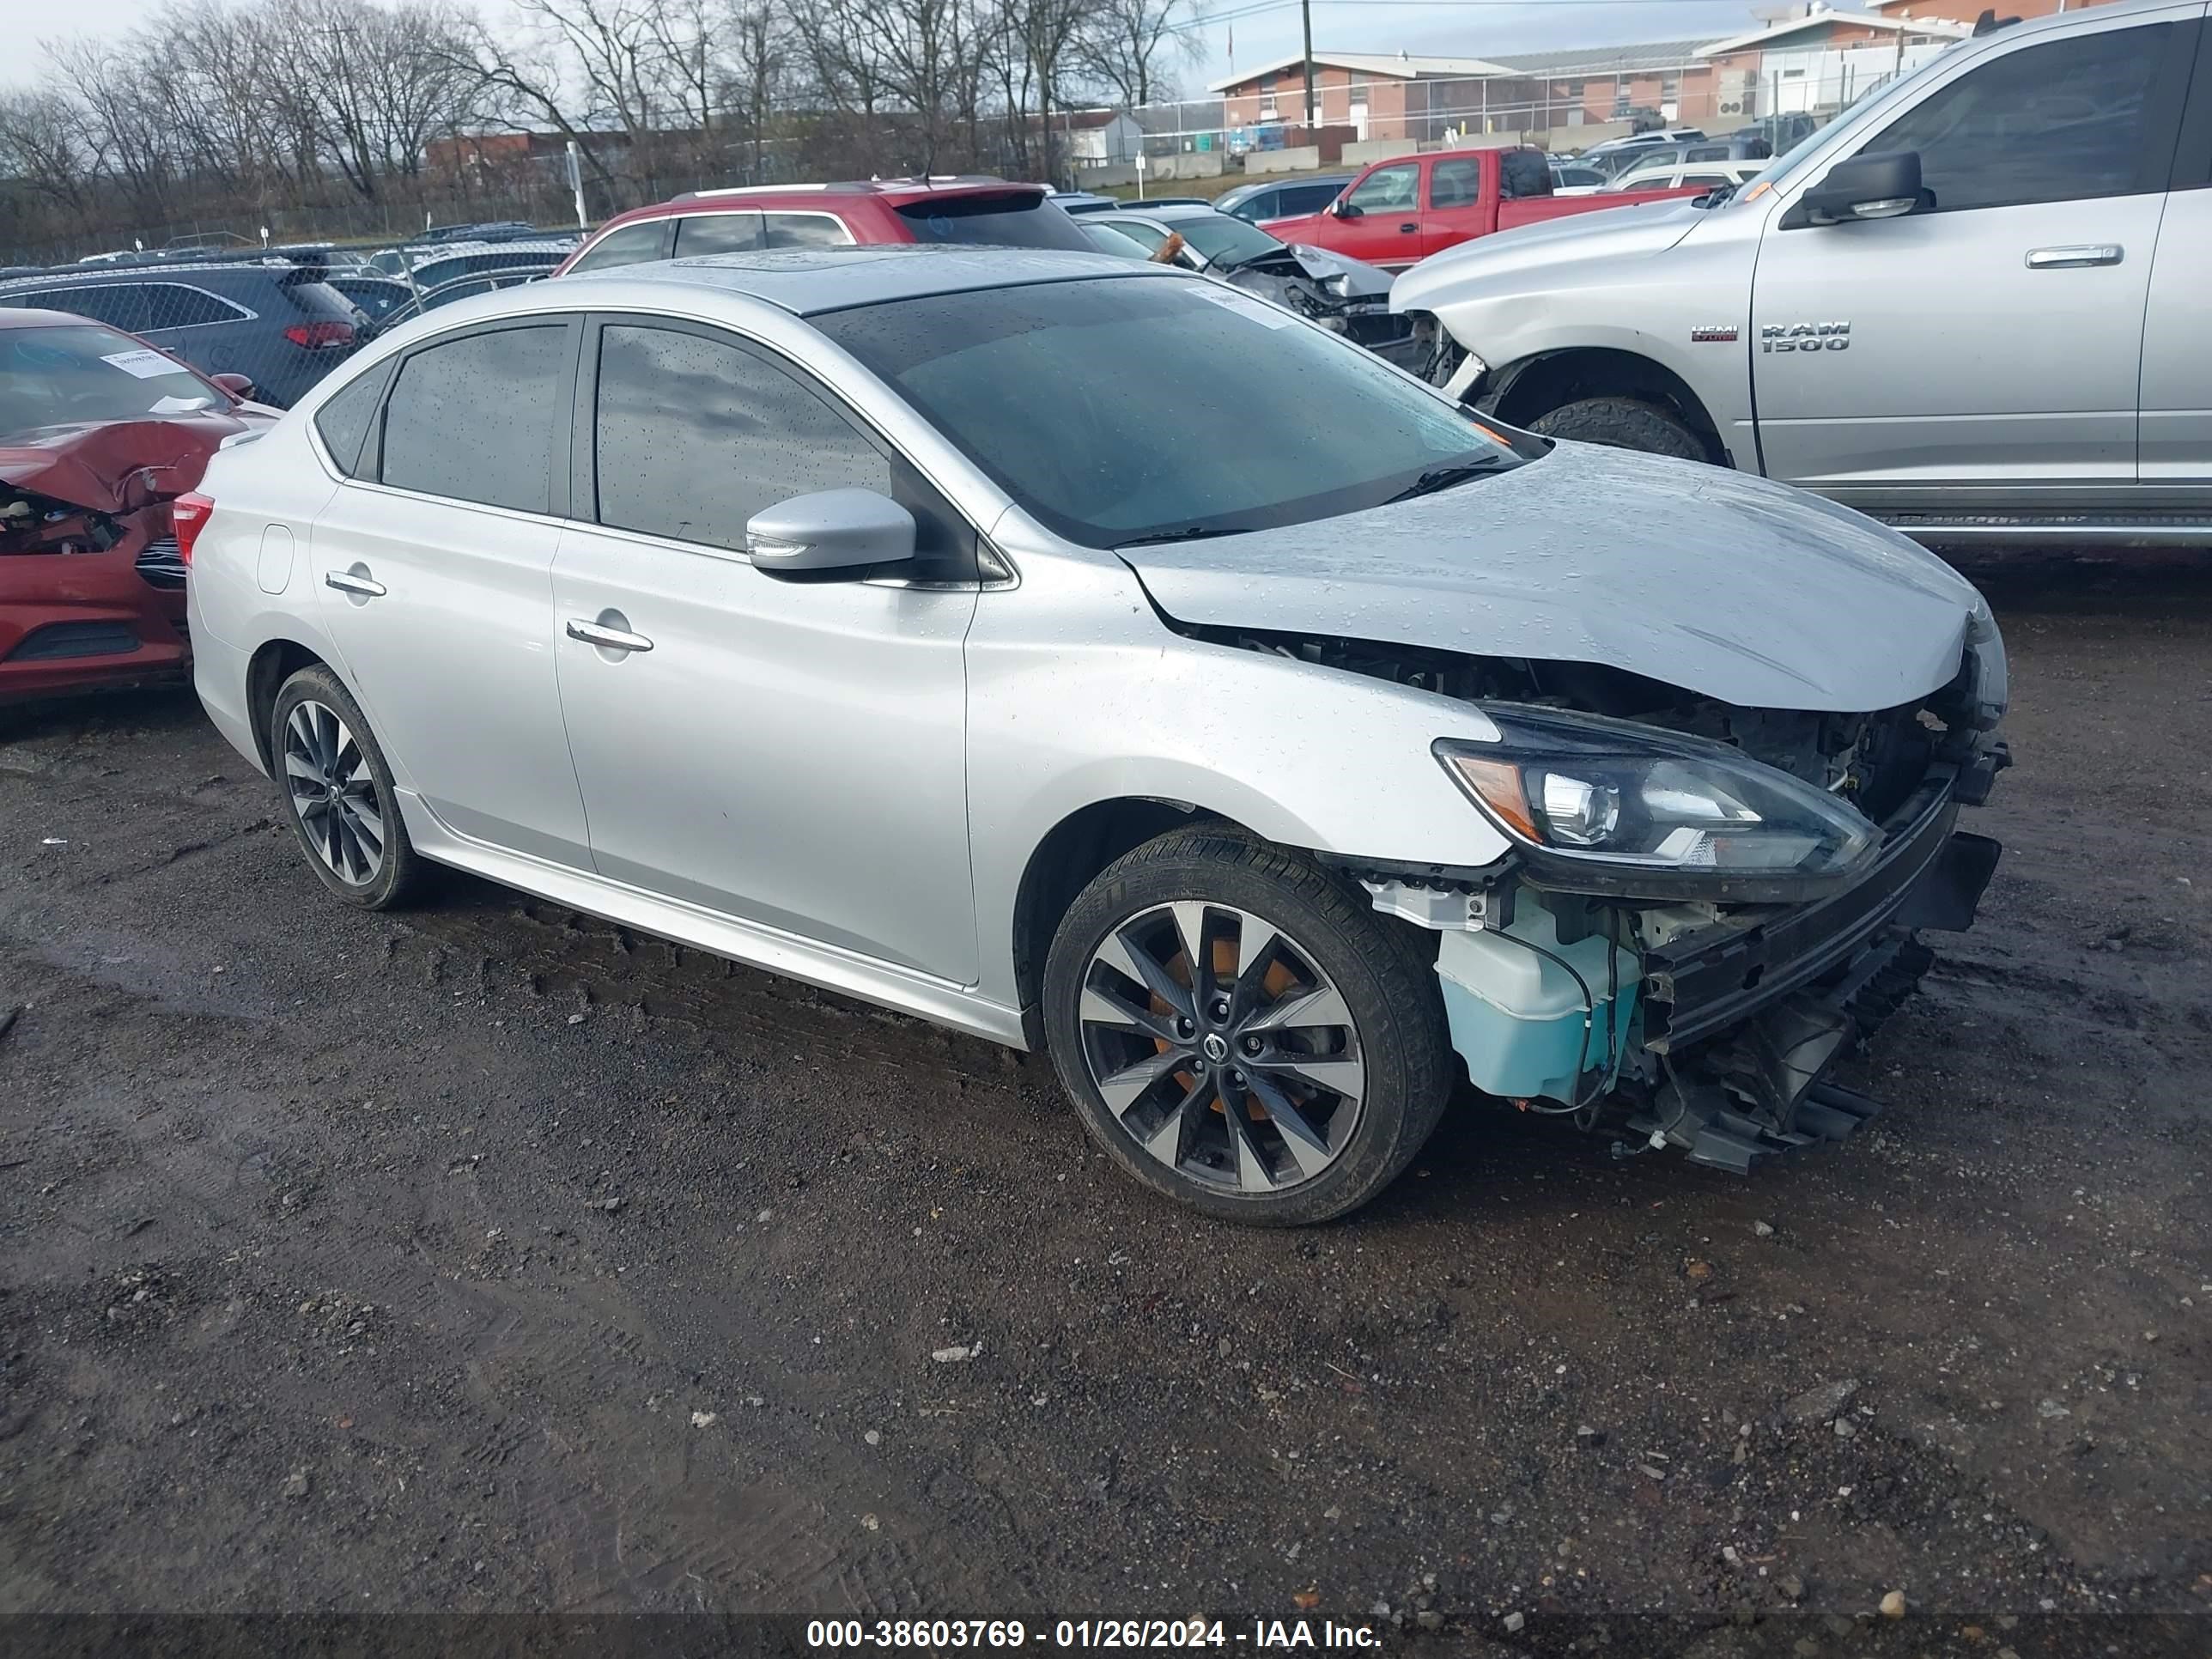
1886 187
1345 210
848 530
238 385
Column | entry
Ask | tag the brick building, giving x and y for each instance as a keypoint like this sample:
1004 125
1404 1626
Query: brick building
1816 62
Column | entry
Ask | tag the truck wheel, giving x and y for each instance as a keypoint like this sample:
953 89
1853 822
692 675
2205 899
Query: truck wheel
1624 423
1241 1033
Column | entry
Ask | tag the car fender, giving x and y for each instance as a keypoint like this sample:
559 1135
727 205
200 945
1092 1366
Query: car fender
239 602
1079 693
1668 284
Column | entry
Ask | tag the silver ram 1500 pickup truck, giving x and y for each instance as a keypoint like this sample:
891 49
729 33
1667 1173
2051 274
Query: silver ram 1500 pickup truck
1977 305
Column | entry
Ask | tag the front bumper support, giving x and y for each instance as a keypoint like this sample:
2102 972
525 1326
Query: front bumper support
1927 876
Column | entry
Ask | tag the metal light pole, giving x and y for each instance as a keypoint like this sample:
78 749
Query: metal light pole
1313 112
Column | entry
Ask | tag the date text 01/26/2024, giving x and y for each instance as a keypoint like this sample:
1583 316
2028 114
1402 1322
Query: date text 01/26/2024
934 1635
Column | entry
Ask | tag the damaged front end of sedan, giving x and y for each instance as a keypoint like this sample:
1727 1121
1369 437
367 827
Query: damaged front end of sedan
1721 741
1705 905
1343 295
92 584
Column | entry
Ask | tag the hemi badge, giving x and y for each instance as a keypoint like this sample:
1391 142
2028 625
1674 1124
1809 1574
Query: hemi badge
1713 334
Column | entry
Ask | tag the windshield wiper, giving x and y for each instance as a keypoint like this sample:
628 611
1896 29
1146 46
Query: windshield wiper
1443 477
1197 532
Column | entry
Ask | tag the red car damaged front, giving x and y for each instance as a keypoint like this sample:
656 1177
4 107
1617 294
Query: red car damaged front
99 433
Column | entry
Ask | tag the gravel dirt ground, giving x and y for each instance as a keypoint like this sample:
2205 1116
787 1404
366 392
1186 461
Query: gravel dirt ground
487 1258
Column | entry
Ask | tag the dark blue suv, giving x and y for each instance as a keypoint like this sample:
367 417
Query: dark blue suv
276 322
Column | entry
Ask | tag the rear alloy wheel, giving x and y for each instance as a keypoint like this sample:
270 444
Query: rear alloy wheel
1241 1034
339 793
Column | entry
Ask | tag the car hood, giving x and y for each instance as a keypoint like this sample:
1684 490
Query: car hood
1364 280
1605 234
1727 586
119 466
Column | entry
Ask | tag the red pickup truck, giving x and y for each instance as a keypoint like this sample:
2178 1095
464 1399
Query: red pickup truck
1398 213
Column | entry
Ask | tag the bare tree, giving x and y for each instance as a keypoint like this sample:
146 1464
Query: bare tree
1129 44
40 150
758 68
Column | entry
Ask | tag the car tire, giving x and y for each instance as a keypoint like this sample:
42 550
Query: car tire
1624 423
338 795
1323 1008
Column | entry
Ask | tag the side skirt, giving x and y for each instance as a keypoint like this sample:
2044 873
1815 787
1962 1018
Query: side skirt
940 1001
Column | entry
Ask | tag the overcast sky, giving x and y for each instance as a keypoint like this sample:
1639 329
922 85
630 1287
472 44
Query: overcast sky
1462 28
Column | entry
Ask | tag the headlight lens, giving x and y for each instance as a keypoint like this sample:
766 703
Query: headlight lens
1611 793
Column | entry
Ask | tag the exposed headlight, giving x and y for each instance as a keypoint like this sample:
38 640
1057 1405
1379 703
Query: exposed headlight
1613 796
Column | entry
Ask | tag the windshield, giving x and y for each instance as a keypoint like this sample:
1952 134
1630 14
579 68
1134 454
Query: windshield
1118 410
1017 219
83 372
1225 241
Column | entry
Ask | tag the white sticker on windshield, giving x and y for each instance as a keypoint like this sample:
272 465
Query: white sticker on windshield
1245 305
176 405
146 365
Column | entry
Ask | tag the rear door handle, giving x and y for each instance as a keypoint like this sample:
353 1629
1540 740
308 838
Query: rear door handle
2073 258
610 639
347 582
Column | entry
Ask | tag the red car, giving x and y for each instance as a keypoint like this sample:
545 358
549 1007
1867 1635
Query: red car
1397 212
100 433
967 210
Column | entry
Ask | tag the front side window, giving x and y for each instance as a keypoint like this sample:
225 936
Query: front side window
1124 408
2064 122
632 245
696 435
83 372
473 419
717 232
1391 188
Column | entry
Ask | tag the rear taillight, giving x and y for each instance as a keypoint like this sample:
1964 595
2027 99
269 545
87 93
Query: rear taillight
188 516
320 337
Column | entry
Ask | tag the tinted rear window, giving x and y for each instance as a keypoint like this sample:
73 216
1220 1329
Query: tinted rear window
1525 173
319 299
1017 219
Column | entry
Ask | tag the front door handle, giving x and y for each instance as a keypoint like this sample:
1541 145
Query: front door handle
1410 225
608 638
2073 258
347 581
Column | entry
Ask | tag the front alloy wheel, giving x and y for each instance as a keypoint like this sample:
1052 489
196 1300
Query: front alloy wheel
1240 1030
1220 1048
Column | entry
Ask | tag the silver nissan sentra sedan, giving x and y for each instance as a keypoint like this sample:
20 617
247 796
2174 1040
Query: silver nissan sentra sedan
1089 656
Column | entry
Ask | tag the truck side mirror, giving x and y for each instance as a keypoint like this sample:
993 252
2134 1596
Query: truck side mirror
1344 210
1885 187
